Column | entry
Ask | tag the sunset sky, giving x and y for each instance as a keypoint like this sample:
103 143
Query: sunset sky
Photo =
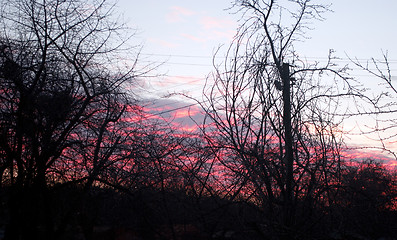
183 35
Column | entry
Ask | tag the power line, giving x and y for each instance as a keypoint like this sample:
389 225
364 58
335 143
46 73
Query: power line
177 108
174 55
307 58
207 65
172 110
211 65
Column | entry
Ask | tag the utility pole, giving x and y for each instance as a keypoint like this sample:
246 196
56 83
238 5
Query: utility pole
289 158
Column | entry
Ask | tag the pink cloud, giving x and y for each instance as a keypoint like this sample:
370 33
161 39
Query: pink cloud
194 38
360 154
178 112
223 34
212 28
174 82
216 23
177 14
186 112
219 27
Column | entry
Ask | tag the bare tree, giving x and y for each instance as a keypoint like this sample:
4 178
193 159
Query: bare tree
382 109
64 94
272 114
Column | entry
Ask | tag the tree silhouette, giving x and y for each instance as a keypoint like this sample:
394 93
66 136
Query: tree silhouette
368 196
382 104
63 97
272 114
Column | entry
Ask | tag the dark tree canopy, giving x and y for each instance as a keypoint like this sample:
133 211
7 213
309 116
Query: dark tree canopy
63 98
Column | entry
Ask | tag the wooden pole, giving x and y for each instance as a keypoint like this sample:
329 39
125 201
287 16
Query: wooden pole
289 159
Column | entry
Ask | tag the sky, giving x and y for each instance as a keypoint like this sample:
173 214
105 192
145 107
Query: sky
183 36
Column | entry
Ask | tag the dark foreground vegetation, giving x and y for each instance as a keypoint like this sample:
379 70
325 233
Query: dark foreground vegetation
365 209
80 159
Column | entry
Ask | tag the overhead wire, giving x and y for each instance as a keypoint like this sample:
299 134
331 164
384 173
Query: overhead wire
308 57
390 61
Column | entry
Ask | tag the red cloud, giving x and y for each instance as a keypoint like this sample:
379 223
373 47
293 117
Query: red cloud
185 112
178 112
373 154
